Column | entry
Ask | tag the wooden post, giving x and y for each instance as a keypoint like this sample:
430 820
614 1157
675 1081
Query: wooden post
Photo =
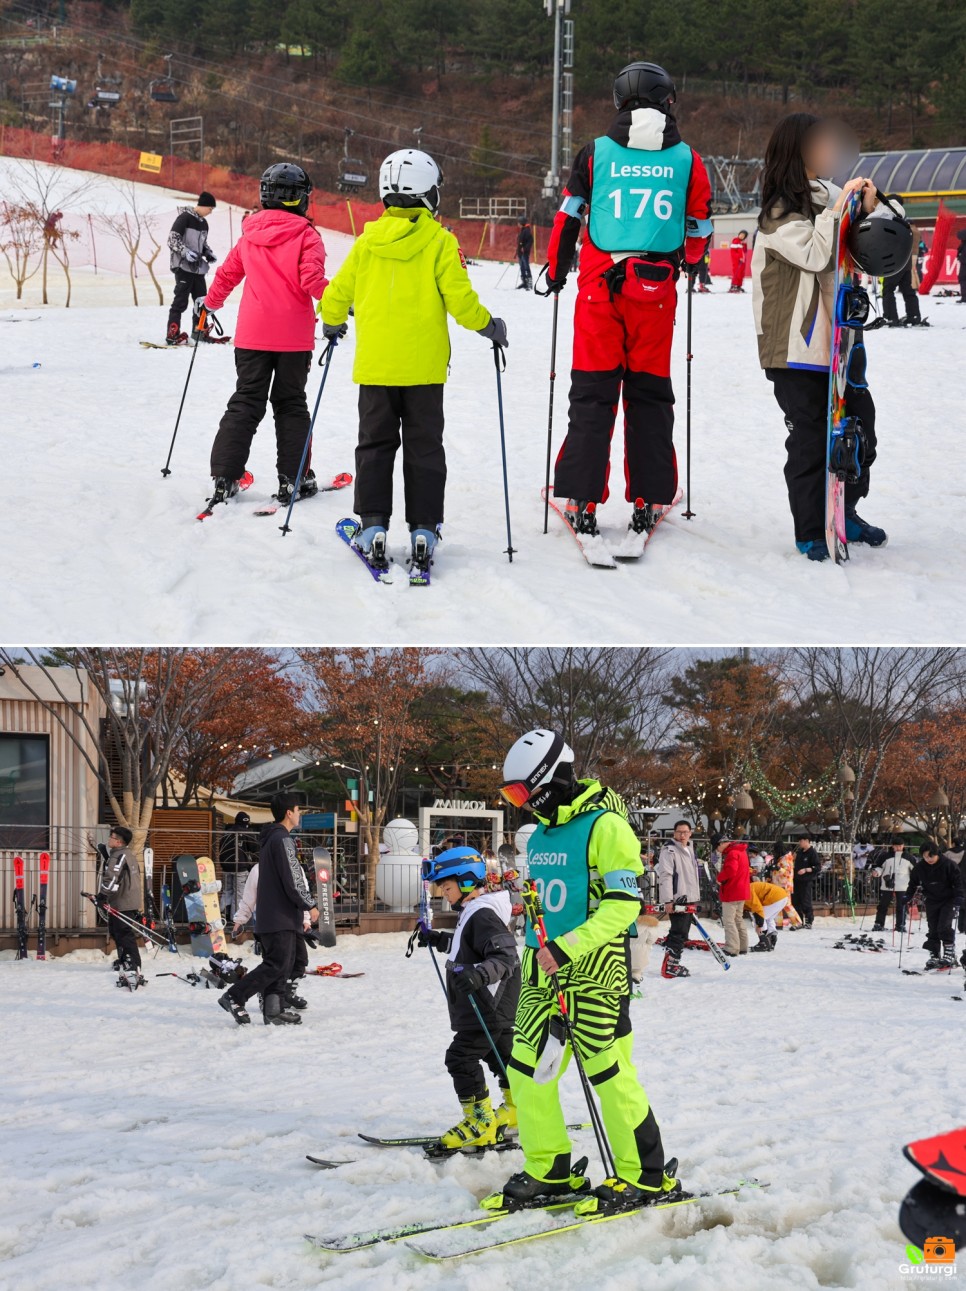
479 253
352 218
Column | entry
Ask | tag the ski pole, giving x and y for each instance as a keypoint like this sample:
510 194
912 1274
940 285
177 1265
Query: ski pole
140 928
553 382
476 1009
534 909
325 359
166 468
689 514
499 360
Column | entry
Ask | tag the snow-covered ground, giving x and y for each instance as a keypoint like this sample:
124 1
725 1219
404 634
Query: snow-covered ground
148 1141
101 548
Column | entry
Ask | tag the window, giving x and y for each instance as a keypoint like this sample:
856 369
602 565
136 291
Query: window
24 792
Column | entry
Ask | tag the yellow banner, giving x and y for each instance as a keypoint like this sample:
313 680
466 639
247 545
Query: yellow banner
151 161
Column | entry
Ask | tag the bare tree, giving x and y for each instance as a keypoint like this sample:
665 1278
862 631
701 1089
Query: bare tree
47 190
134 226
21 239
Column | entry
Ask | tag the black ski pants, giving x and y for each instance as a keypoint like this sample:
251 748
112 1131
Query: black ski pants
940 921
468 1050
678 933
900 282
803 398
125 938
885 901
412 416
263 376
802 899
301 961
186 286
269 978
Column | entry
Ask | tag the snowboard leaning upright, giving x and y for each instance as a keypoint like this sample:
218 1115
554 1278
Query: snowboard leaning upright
325 896
199 888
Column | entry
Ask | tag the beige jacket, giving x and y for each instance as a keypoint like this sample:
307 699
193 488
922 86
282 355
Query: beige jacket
793 285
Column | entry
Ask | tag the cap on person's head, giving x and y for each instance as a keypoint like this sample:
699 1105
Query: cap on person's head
243 818
282 804
206 199
123 833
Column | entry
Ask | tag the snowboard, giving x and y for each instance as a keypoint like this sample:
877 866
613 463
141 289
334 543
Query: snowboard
843 452
941 1159
205 925
325 895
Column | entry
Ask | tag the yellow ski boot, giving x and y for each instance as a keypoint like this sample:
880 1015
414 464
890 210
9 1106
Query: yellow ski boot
477 1129
506 1114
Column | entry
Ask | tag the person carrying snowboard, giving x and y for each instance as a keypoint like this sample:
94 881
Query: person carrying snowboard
482 970
120 887
586 860
793 289
739 257
679 885
404 275
281 258
524 252
941 881
646 198
190 257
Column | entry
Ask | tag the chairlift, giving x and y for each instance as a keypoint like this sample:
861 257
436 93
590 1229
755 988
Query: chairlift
162 90
105 98
352 172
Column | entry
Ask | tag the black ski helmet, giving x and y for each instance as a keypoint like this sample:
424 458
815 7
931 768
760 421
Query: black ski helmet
285 187
641 85
881 246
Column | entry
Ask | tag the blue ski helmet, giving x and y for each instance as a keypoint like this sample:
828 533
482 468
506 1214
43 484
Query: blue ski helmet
464 864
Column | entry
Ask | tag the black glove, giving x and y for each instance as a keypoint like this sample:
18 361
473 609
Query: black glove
334 331
101 900
467 980
310 939
692 270
438 938
210 255
555 285
495 330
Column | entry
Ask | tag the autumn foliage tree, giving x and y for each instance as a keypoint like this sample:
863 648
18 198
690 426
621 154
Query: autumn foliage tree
926 762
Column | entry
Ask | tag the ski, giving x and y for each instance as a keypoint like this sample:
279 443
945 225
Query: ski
271 508
42 907
347 530
941 1159
19 902
593 548
570 1223
167 915
427 1140
633 544
324 1164
713 946
246 482
182 345
843 444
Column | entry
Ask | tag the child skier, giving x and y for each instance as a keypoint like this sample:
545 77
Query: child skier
941 880
120 887
404 274
282 259
739 254
792 271
483 969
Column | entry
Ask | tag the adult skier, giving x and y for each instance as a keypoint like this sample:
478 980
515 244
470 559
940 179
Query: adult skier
282 260
739 257
734 888
482 991
941 880
247 912
646 200
793 287
524 252
894 878
679 881
120 887
807 865
283 896
190 257
404 275
905 284
586 861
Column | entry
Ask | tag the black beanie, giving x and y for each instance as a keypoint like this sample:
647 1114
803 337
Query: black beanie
205 199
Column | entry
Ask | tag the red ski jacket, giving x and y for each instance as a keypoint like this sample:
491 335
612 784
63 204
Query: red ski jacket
734 877
575 206
281 257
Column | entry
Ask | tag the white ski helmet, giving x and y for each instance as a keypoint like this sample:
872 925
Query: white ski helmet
531 764
410 178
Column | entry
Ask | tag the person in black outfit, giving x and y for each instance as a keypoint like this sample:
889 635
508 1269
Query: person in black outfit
121 888
961 257
941 881
901 282
283 896
237 853
190 257
808 863
524 252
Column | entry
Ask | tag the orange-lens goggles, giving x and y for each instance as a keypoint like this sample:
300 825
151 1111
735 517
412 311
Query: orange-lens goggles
517 794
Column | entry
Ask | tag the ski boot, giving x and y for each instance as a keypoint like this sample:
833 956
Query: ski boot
506 1113
643 518
817 549
582 517
238 1011
672 966
293 1001
307 489
859 530
878 927
615 1195
275 1015
772 940
477 1129
423 538
932 963
763 943
224 489
949 958
523 1191
175 336
371 540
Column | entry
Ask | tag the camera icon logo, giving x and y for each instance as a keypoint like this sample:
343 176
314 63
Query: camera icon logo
939 1250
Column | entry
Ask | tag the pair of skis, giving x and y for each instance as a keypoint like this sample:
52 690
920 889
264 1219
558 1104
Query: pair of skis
430 1145
601 554
273 506
381 569
21 908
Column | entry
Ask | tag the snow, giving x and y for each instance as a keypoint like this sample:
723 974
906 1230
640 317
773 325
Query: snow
106 549
149 1141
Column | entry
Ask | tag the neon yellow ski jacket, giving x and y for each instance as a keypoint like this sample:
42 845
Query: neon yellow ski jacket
404 274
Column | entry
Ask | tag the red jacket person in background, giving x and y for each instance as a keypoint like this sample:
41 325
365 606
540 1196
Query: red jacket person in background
739 255
646 200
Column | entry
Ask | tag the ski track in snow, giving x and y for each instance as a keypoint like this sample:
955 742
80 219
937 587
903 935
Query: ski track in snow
148 1141
99 548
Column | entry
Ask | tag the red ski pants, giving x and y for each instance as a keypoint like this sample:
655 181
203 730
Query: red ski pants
622 348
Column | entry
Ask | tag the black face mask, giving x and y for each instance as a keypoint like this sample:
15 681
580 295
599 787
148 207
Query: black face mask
549 798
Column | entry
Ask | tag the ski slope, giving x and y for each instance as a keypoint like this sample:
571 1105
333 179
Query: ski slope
149 1141
100 548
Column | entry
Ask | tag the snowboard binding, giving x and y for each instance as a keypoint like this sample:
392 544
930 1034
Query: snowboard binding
847 456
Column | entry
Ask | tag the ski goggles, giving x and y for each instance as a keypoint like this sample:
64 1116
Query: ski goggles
516 794
852 307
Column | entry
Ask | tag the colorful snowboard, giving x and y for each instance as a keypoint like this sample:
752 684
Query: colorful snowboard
325 895
199 890
843 447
